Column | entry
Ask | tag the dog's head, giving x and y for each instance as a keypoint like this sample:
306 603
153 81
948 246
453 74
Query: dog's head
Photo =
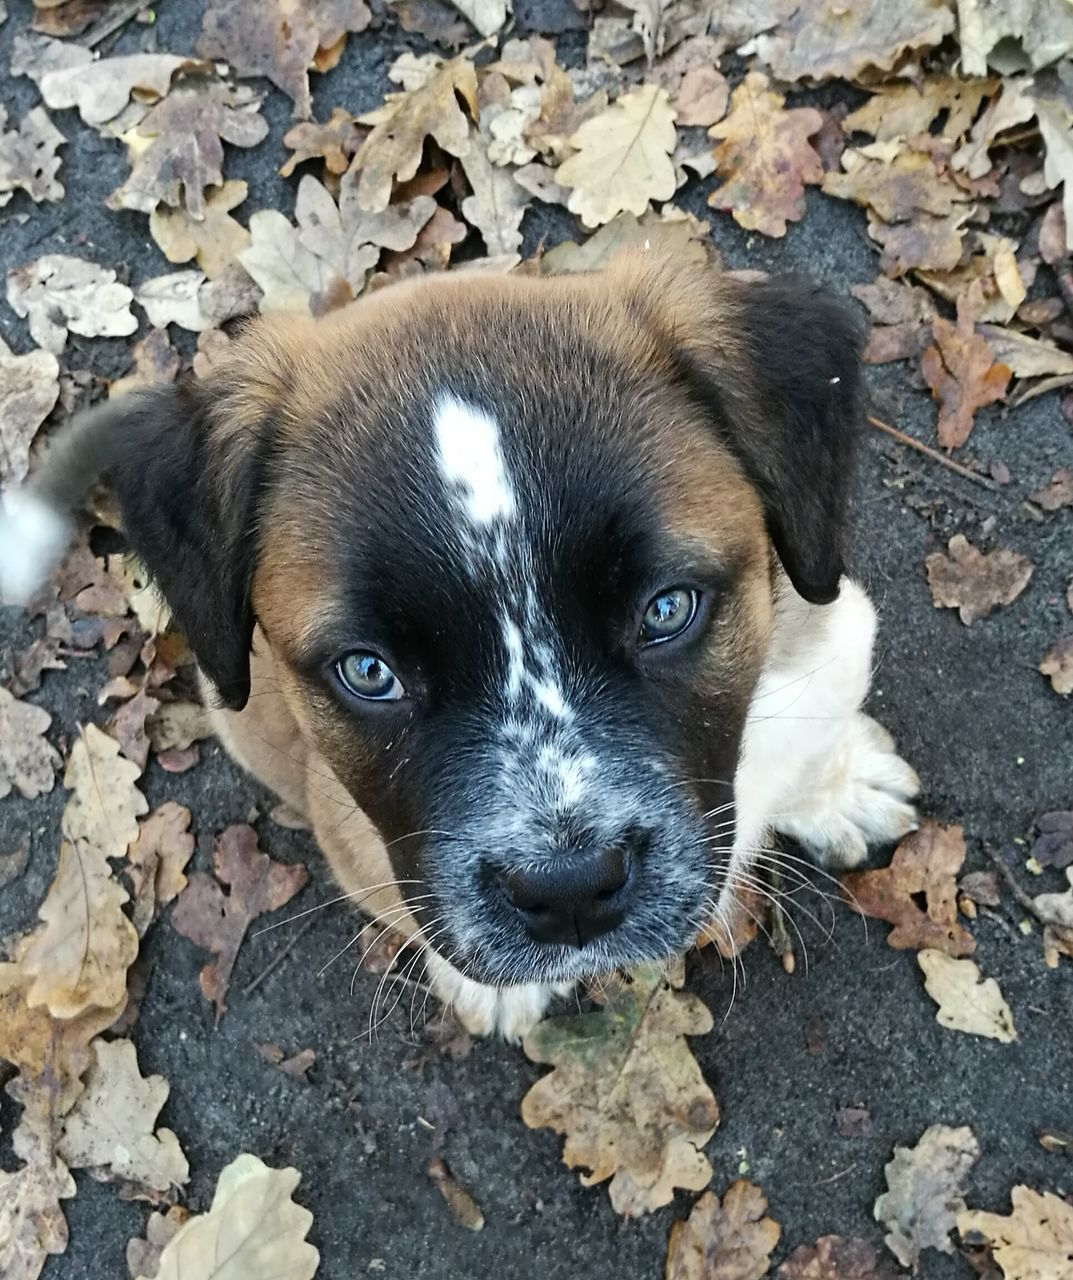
514 544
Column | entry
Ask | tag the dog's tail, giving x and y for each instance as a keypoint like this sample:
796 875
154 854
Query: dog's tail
37 521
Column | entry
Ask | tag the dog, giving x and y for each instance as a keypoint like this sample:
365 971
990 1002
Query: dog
528 592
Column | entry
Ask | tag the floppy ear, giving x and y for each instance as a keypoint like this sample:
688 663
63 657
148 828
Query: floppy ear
189 483
775 363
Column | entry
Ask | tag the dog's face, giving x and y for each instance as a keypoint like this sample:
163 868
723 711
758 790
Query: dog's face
511 542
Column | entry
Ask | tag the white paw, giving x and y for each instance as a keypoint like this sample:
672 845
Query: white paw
860 796
484 1010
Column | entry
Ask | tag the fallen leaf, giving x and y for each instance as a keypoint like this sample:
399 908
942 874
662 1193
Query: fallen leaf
925 1186
29 389
835 1258
176 151
335 142
1057 907
853 1122
28 159
393 150
963 375
100 90
156 862
35 55
927 243
904 109
128 727
13 862
498 203
728 1241
286 272
155 362
622 159
488 16
982 887
1055 120
278 39
897 188
702 98
178 725
105 804
680 238
1034 1241
173 299
296 1066
215 240
113 1124
1054 844
1043 30
1058 493
1011 107
218 921
1024 356
765 158
433 245
925 864
253 1224
58 293
32 1224
28 761
464 1209
143 1255
975 582
966 1002
627 1092
1057 665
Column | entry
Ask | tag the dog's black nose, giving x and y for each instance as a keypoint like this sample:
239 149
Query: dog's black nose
573 899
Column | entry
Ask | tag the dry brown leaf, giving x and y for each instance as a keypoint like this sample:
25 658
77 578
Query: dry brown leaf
1057 493
253 1223
824 39
1042 29
335 142
975 582
176 151
925 863
128 725
622 159
218 921
925 1188
927 243
897 187
627 1092
392 151
963 374
1033 1242
143 1255
173 299
906 109
1009 109
32 1224
433 245
681 238
966 1002
155 362
29 389
35 55
1057 907
214 240
764 158
58 293
901 316
178 725
728 1241
102 89
1057 665
285 271
498 203
156 862
278 39
105 803
835 1258
28 159
1027 357
112 1126
28 761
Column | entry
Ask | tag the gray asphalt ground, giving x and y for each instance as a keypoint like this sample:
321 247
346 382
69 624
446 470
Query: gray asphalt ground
991 741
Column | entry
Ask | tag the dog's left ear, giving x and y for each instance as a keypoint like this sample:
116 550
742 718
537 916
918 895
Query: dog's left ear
775 364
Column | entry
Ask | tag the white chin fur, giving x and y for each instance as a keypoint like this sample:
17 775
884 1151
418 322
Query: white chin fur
33 538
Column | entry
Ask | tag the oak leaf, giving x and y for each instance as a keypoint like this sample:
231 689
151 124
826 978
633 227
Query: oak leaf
927 243
218 921
253 1223
906 109
966 1002
105 803
173 299
28 159
29 389
963 374
925 1189
681 238
215 240
835 1258
58 293
498 203
897 188
128 724
627 1092
157 860
1057 666
1034 1241
765 158
334 142
925 863
1042 29
1027 357
1054 844
622 159
155 361
488 16
279 39
282 267
1057 493
728 1241
28 761
975 582
1057 907
102 89
32 1224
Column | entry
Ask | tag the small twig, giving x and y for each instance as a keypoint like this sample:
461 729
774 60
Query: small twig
279 957
1022 896
113 21
933 454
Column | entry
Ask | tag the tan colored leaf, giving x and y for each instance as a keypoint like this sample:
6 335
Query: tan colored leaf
966 1002
279 39
334 142
176 151
764 158
58 293
287 273
897 188
728 1241
835 1258
215 240
105 803
905 109
218 921
1026 357
1055 119
253 1225
32 1224
143 1255
156 862
488 16
627 1092
925 1185
1010 108
35 55
925 863
927 243
1057 493
28 761
1043 30
102 89
392 151
128 726
1057 907
113 1124
681 238
155 362
173 299
29 389
498 203
623 158
178 725
975 582
28 159
1034 1241
433 245
1057 665
963 375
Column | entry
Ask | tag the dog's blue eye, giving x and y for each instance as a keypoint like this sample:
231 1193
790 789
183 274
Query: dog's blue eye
366 675
668 615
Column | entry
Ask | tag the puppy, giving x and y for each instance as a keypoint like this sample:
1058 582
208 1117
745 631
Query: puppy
529 593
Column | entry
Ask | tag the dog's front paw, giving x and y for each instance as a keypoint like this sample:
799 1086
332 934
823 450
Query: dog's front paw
485 1010
860 796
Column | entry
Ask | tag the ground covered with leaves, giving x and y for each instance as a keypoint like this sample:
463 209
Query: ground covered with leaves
885 1089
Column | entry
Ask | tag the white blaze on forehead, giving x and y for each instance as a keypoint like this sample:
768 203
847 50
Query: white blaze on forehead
471 460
